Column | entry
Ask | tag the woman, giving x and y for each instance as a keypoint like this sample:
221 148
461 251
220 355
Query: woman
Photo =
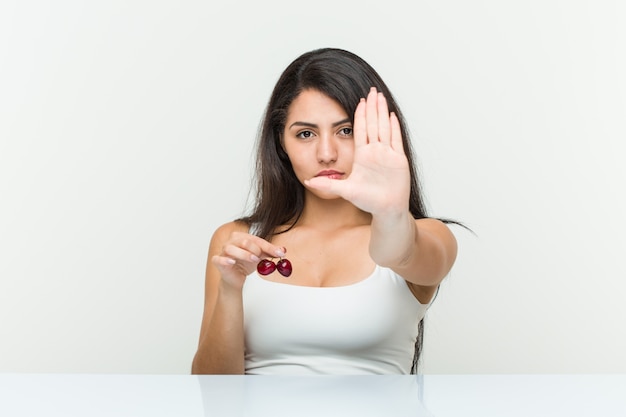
338 197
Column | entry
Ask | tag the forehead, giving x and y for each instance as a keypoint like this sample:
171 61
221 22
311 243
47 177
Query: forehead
312 105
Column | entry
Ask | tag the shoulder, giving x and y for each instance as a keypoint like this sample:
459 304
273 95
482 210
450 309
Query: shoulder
223 232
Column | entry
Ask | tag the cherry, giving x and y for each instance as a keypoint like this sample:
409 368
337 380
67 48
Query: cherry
266 267
284 267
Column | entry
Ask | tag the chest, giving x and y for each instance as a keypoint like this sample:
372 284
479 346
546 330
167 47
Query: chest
326 260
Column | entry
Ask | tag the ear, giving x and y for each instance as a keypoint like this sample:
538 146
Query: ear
280 150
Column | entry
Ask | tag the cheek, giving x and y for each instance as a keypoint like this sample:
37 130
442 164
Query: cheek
298 162
347 151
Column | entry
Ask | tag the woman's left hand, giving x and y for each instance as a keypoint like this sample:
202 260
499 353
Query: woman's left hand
380 179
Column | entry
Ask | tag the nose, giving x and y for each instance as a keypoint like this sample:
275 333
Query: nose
326 149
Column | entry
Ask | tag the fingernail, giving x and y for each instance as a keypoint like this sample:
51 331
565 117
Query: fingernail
280 252
255 258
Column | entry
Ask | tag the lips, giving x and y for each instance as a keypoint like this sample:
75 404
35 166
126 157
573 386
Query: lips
330 173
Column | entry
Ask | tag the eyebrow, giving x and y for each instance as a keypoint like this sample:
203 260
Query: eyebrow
307 124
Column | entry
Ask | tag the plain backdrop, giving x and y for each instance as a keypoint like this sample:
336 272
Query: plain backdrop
126 138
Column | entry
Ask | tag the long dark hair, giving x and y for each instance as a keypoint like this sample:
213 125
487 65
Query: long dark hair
344 77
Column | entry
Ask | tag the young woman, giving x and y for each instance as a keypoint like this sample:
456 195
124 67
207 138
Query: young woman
338 197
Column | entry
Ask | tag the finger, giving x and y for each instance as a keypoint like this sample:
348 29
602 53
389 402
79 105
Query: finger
396 133
222 261
384 133
326 184
267 249
371 116
241 254
253 247
359 130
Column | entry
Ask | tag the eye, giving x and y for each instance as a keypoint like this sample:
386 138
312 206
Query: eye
305 134
345 131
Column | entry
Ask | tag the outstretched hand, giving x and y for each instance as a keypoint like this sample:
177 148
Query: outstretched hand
380 179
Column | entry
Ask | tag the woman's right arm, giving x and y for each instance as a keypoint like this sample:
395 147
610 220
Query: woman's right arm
233 255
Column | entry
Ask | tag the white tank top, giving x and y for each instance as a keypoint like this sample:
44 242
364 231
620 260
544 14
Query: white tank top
369 327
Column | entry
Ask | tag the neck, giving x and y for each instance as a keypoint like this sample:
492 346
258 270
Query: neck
332 214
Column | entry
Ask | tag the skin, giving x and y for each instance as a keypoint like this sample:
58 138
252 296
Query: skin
362 205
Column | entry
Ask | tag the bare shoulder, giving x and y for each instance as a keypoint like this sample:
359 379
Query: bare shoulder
223 232
219 239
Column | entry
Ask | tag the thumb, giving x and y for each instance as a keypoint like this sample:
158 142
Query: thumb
332 186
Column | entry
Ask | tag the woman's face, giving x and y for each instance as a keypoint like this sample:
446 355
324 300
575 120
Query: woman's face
318 138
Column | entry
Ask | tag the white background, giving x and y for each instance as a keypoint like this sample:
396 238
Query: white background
126 135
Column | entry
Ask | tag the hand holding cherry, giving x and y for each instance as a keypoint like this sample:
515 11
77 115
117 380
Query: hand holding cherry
240 253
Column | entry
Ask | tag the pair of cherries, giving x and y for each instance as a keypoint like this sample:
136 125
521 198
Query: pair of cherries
267 266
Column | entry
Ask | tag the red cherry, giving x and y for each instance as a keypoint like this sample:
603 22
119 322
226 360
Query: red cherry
266 267
284 267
